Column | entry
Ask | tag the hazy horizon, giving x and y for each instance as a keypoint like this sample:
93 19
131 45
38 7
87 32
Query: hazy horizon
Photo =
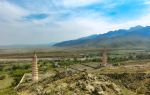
45 21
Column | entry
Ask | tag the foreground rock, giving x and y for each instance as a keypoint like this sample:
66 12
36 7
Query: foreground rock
78 84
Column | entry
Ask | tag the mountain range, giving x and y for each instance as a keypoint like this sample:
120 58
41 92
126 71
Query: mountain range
134 37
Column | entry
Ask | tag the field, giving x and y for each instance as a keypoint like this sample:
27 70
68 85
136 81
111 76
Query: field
124 66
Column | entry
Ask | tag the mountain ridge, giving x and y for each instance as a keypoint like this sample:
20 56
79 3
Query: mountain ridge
135 37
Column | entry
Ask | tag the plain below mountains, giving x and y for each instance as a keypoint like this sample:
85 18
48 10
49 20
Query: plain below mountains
135 37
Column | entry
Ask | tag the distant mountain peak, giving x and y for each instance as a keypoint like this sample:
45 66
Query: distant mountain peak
136 27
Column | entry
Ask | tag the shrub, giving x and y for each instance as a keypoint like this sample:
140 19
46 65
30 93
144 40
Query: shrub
116 64
2 77
17 75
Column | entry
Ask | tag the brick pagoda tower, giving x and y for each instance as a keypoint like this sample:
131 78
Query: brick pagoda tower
34 68
104 58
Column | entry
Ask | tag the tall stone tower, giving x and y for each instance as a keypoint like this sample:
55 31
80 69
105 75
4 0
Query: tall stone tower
104 58
34 68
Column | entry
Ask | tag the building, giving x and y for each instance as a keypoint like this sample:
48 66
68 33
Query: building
104 57
34 68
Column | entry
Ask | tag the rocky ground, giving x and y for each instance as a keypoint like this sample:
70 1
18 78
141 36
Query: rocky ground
131 80
78 84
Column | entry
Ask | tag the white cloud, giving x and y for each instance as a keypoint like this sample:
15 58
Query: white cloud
147 2
10 12
144 21
78 3
87 26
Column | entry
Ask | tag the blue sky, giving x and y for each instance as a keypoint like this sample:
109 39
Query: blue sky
45 21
